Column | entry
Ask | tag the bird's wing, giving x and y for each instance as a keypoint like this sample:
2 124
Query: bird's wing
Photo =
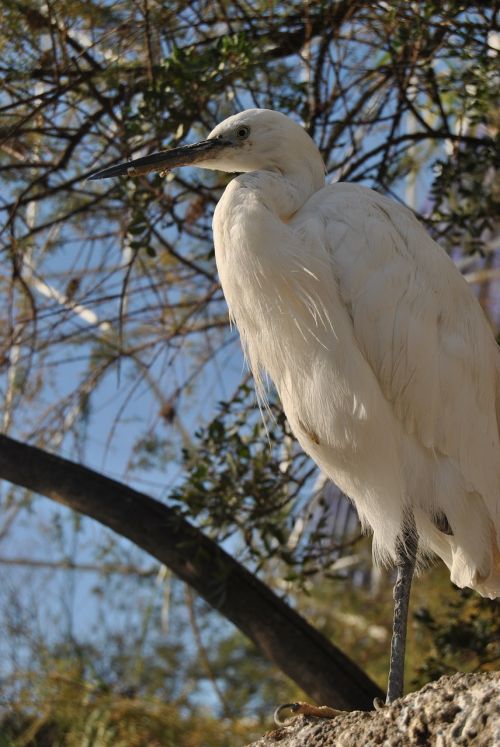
419 327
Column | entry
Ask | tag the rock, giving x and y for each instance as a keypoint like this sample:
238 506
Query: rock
458 711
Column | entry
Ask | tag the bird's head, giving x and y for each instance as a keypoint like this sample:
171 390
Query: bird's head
253 140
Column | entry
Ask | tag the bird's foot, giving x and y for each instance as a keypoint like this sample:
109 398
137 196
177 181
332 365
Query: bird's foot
304 709
378 704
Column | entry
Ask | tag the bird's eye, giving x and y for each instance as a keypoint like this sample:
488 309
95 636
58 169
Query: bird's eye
242 132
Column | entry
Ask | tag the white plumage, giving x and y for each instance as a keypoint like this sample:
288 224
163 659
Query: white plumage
386 366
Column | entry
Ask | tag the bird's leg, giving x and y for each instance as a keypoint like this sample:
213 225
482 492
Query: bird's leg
406 553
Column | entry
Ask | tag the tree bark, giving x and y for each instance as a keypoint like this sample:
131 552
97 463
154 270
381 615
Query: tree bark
282 635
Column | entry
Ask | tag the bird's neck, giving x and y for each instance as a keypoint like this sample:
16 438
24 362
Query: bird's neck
254 245
250 221
263 265
254 209
280 193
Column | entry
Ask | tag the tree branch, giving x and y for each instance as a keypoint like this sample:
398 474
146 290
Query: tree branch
282 635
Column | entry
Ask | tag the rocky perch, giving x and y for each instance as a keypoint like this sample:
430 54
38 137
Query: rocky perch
455 711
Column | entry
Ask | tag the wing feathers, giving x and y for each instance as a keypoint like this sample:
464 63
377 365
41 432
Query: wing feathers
419 327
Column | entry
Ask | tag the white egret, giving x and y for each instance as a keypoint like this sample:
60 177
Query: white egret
385 364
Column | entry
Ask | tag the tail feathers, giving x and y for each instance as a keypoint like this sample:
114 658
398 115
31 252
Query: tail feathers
489 585
473 558
464 573
477 564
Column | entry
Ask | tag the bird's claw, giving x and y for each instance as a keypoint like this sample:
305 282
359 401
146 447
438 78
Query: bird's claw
304 709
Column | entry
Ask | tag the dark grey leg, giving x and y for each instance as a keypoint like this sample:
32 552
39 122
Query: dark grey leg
405 564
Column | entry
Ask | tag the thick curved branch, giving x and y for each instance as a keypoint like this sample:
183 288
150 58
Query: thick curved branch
282 635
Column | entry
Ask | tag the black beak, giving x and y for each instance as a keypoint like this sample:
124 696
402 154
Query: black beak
166 159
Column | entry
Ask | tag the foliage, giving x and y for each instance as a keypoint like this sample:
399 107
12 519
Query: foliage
465 189
465 636
154 692
74 712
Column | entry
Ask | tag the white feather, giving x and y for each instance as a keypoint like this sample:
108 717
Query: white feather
386 366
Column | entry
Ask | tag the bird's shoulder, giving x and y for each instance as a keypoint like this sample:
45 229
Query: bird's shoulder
354 205
373 240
